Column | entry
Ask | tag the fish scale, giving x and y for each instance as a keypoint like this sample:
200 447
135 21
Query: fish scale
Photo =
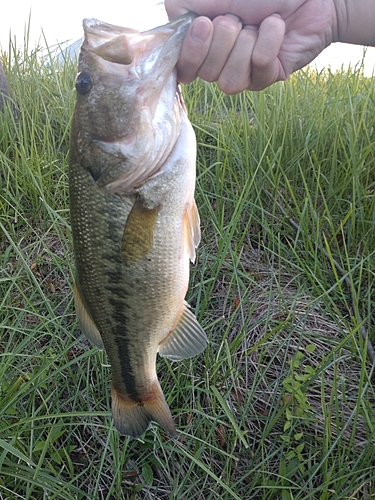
134 220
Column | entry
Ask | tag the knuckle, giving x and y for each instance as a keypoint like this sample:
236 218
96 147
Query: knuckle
260 59
230 85
208 72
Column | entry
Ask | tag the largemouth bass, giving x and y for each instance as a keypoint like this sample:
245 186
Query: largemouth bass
134 220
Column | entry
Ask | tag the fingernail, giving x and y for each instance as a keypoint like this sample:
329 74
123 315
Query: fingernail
200 30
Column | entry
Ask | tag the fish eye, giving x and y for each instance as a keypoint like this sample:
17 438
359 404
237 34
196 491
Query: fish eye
83 83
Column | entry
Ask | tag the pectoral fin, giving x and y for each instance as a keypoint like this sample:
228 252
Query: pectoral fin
192 229
138 236
85 321
187 339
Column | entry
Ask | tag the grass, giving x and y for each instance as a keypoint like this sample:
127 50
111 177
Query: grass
281 404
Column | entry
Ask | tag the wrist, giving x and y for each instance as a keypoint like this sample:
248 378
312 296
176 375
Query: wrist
355 22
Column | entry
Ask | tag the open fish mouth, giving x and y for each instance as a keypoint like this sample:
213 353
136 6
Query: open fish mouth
123 45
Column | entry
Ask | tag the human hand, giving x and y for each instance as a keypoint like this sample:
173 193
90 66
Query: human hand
250 44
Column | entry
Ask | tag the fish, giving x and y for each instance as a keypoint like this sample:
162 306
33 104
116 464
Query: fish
134 219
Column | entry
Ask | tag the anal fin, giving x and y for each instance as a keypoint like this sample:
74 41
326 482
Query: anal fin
85 321
186 340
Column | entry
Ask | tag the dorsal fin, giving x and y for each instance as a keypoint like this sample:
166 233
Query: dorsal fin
187 339
85 321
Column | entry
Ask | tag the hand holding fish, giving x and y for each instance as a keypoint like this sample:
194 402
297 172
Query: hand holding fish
251 44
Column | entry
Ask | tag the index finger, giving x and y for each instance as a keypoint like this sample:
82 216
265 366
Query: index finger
194 49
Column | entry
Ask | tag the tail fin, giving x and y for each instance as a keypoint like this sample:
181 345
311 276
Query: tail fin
132 419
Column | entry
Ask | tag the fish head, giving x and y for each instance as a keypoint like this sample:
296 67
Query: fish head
128 109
